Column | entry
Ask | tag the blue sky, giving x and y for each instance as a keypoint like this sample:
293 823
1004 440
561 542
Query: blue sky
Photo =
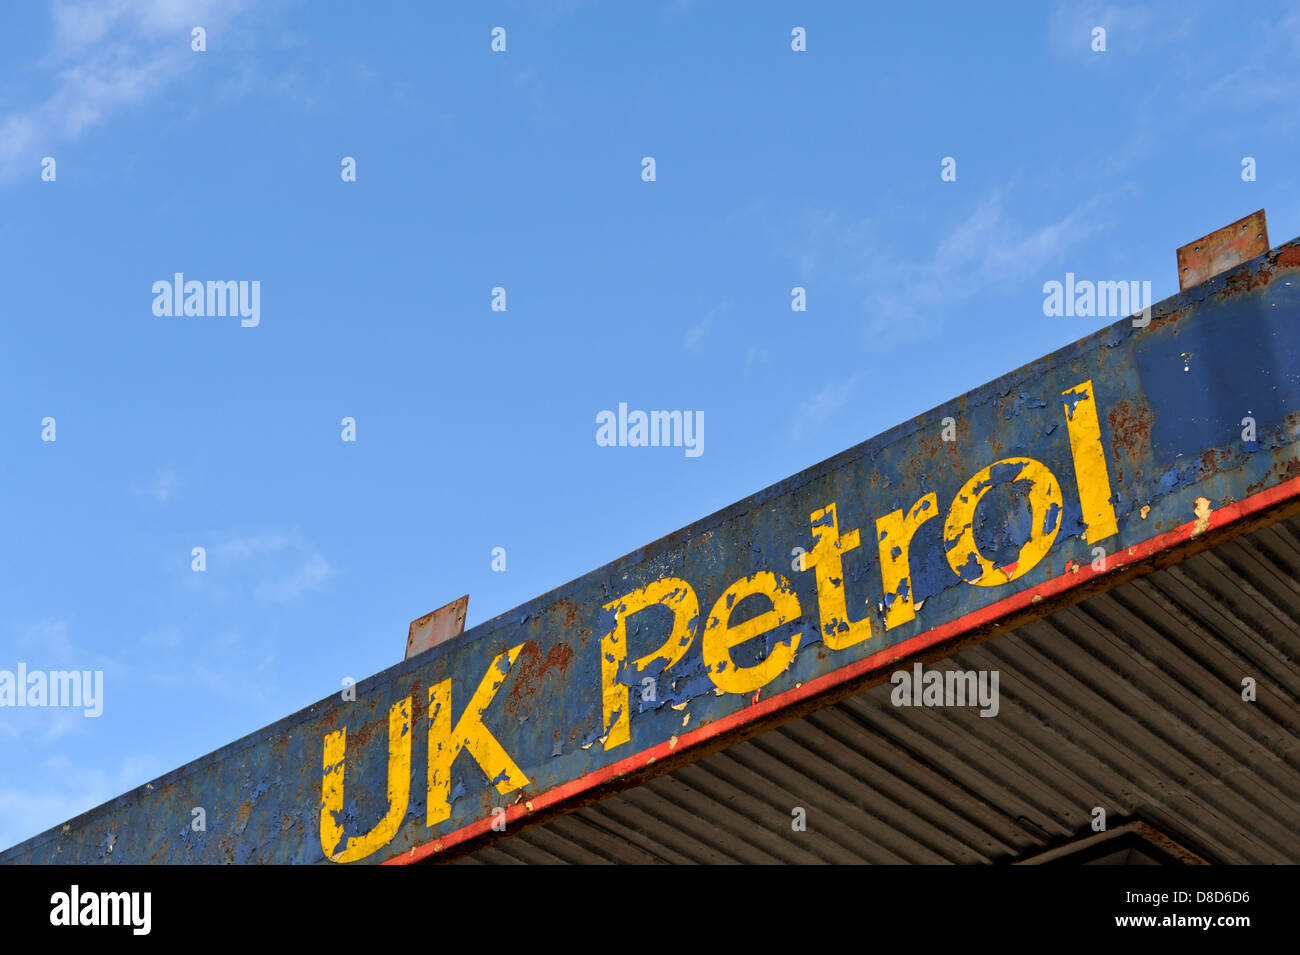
520 169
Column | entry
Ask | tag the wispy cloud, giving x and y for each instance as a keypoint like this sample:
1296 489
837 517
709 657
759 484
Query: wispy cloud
242 548
1130 29
811 413
533 92
107 55
987 247
271 565
46 645
695 334
162 489
548 11
63 789
314 572
80 24
991 244
1199 91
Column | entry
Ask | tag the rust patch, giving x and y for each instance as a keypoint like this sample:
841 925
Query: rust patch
557 658
1213 460
1244 282
1279 472
570 612
1130 428
525 686
242 814
361 737
963 432
1289 256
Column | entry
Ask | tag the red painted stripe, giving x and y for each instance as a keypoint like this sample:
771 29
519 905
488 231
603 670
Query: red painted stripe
1072 578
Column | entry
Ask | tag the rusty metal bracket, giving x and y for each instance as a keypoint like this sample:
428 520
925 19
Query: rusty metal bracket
1222 249
437 627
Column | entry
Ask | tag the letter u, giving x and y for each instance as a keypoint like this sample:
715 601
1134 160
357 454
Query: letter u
399 789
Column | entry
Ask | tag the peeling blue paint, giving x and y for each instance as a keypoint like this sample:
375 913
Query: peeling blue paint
1051 518
1022 401
1072 398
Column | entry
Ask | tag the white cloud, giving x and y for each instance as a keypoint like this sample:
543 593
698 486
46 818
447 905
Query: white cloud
549 10
162 488
533 91
270 565
312 574
1203 88
81 23
242 548
107 55
825 403
45 646
71 790
1130 29
695 334
986 248
995 246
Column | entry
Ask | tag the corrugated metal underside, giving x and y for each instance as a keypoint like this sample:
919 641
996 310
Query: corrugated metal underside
1130 700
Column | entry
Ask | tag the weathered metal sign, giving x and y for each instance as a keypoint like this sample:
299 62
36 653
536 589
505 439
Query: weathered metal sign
1060 477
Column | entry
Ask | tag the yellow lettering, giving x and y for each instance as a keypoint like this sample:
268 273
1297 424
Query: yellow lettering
895 533
469 734
826 560
959 537
720 636
1090 463
673 593
399 788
